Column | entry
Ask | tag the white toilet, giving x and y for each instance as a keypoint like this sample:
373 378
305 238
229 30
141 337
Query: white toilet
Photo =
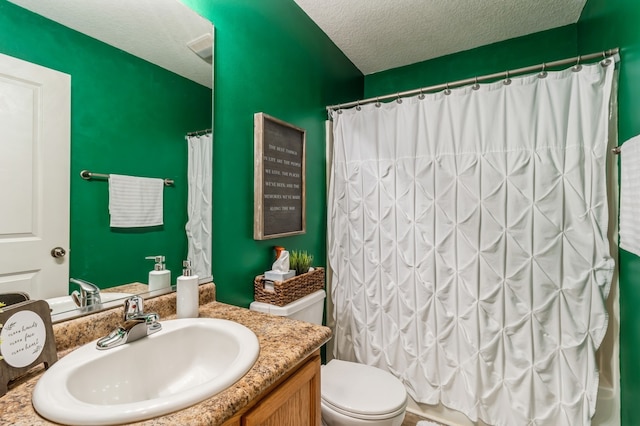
352 394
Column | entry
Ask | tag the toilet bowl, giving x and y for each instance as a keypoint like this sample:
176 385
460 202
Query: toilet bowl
352 394
357 394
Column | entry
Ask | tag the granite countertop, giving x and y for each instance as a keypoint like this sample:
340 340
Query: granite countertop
283 344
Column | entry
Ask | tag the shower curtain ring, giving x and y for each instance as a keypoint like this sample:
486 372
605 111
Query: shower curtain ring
421 95
543 73
358 107
398 100
447 91
475 86
605 61
577 67
507 79
377 102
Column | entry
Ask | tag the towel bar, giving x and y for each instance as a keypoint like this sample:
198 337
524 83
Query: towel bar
87 175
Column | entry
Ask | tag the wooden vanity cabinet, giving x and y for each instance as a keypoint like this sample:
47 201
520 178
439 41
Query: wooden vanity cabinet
292 401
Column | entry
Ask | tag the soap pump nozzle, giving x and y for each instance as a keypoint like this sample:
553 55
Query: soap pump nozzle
159 266
186 265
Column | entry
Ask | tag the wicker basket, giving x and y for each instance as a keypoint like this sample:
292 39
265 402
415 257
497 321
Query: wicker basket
287 291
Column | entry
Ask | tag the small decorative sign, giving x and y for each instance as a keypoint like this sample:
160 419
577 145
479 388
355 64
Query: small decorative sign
22 338
279 183
26 340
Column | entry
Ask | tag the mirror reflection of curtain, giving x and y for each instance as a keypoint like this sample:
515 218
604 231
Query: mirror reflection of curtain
468 243
199 204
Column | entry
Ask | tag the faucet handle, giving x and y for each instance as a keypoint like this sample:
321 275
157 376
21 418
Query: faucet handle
133 306
85 286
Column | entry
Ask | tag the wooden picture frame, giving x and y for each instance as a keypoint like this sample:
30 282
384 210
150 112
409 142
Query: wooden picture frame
279 180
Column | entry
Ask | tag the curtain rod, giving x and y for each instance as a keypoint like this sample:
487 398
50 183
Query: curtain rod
200 132
506 74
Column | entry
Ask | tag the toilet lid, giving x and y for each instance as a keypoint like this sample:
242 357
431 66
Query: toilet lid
361 389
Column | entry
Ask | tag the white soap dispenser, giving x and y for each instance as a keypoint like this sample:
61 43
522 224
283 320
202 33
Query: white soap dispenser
187 289
160 277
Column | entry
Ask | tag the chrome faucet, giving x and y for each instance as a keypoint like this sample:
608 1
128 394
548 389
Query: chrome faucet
136 325
88 296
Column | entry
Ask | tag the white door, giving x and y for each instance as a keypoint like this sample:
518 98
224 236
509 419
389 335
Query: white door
35 108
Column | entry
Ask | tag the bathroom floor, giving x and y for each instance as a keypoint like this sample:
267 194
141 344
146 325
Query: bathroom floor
411 419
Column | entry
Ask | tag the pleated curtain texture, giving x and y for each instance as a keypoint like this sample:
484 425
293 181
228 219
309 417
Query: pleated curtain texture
468 243
199 204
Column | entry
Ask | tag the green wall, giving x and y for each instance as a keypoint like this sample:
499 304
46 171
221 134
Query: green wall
606 24
546 46
127 117
269 57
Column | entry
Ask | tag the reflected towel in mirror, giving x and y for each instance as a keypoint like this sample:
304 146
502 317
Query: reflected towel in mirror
135 201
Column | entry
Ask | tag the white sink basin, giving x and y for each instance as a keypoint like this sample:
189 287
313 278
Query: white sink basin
64 307
186 362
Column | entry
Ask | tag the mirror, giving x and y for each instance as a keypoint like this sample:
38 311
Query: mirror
134 96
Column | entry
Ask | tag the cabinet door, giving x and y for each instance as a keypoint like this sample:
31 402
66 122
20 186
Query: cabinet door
295 403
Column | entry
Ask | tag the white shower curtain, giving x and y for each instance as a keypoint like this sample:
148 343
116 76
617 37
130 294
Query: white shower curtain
468 242
199 207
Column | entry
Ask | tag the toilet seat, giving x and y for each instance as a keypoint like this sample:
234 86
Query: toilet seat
361 416
361 391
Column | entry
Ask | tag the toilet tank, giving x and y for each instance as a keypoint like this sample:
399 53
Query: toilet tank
308 308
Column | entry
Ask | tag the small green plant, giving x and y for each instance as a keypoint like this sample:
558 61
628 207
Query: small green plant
300 261
293 260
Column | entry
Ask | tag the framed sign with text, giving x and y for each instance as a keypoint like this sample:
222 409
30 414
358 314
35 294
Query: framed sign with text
26 340
279 181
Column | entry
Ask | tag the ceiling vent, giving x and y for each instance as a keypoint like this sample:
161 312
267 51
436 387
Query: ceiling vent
203 47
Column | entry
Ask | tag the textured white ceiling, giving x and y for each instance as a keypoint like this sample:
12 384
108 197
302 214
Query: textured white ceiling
155 30
377 35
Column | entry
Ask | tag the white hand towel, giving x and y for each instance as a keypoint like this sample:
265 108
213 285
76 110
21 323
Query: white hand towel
630 195
135 201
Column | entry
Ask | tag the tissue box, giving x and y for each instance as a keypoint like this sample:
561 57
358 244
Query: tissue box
279 276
